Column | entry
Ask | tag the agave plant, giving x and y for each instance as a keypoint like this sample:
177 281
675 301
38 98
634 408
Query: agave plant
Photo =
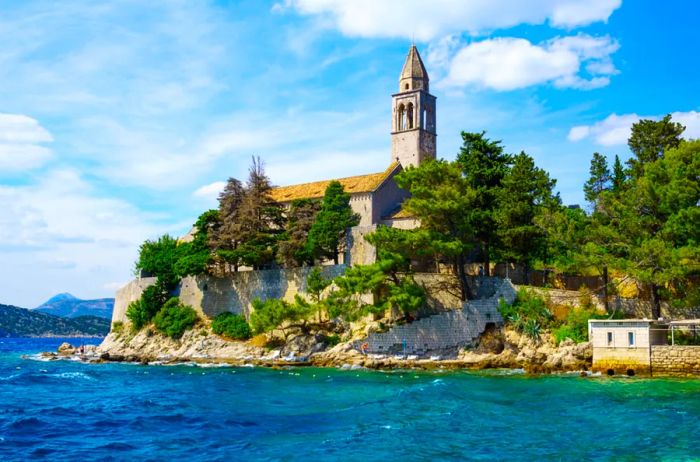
532 328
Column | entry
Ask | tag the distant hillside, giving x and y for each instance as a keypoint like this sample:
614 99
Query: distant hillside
68 306
20 322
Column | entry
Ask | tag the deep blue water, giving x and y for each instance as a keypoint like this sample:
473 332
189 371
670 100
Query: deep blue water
65 410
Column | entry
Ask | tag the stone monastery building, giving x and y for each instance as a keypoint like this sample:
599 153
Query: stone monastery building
376 197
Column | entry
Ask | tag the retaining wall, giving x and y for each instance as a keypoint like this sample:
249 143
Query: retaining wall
676 360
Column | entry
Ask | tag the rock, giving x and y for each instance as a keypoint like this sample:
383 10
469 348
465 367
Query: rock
66 349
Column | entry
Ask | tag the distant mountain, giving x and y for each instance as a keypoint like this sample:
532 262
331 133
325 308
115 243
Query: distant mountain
68 306
21 322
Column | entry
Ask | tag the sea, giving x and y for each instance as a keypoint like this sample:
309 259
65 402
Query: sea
68 410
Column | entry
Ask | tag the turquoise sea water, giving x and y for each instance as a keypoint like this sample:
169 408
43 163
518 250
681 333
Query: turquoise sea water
65 410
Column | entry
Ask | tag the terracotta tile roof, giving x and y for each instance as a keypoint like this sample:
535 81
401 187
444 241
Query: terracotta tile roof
315 190
402 213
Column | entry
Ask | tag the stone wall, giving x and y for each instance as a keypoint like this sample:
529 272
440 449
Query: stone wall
676 360
631 307
357 250
443 331
212 295
127 294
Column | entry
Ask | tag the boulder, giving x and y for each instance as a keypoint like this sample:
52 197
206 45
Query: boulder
66 349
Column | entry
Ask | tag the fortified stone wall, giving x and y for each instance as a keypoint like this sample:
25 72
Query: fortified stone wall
235 293
127 294
676 360
212 295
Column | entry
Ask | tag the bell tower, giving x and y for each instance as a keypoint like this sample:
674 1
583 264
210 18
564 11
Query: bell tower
413 134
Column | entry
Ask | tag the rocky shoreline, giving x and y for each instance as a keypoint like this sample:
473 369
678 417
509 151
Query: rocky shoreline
497 349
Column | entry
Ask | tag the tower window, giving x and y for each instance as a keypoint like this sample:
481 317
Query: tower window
405 87
409 116
401 125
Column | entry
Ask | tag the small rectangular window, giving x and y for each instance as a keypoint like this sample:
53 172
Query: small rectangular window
610 338
630 338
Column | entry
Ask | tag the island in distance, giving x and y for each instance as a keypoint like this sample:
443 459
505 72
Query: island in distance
61 316
67 305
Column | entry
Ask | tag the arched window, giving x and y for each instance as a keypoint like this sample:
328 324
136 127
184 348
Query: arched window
409 116
424 119
401 118
405 87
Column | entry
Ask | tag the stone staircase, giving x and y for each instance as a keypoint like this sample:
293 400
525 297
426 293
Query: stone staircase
443 331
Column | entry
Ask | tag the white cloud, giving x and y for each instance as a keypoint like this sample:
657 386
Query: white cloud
428 20
511 63
20 138
69 235
615 129
210 192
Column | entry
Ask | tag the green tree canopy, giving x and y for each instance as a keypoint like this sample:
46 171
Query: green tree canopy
650 140
294 247
442 199
599 179
484 165
527 191
651 231
327 234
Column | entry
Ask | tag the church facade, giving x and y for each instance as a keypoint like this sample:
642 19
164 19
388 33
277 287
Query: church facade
376 197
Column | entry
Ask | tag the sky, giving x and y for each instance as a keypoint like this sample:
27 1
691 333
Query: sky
120 120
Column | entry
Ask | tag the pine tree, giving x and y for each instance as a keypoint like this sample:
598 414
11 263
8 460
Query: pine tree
527 191
327 234
599 180
484 165
260 218
294 249
442 200
650 139
619 177
228 237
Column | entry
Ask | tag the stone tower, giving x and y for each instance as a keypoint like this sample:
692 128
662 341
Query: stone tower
413 134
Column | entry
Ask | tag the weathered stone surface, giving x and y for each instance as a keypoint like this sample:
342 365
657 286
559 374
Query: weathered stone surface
66 349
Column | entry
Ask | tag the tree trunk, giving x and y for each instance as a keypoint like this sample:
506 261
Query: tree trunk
487 259
335 257
462 276
605 288
655 302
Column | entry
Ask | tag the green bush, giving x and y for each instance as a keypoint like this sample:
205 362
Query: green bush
269 314
576 325
117 327
232 326
174 318
528 313
141 311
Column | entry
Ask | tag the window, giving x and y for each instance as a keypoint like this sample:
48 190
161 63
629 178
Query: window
610 338
630 338
409 116
406 86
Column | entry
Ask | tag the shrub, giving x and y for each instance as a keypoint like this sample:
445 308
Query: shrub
269 314
528 313
576 325
232 326
117 327
332 340
141 311
174 318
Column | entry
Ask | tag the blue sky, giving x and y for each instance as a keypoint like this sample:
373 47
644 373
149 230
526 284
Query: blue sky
120 120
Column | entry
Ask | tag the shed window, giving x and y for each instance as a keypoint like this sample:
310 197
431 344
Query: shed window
630 338
610 338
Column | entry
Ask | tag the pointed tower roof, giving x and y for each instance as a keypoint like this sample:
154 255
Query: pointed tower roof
413 73
413 67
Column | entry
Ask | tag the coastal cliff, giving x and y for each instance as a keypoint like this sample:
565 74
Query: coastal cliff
497 348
